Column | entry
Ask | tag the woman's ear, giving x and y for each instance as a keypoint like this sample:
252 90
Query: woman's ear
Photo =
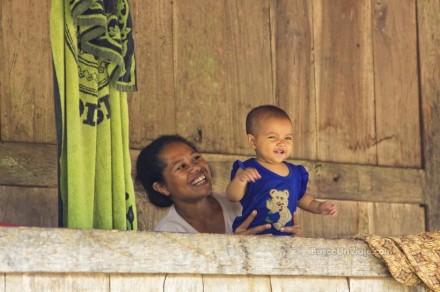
159 187
251 141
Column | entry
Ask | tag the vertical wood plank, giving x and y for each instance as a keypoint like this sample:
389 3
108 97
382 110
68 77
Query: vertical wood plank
294 71
152 107
193 283
396 83
429 44
224 283
344 225
364 217
26 89
27 206
382 284
148 214
396 219
307 283
137 283
344 81
222 69
57 282
2 282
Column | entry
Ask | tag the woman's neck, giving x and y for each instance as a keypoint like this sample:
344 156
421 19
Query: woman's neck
206 215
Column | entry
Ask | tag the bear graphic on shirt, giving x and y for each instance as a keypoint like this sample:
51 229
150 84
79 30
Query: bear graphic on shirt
278 203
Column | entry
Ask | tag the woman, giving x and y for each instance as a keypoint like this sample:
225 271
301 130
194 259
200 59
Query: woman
174 174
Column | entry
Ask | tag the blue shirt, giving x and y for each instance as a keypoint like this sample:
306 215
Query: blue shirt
263 194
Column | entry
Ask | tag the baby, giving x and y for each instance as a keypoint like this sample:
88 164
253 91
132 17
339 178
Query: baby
267 183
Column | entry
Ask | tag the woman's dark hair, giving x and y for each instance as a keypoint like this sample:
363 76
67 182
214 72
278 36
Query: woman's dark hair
150 166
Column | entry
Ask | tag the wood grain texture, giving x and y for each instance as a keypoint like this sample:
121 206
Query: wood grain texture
222 69
139 282
401 219
240 283
176 282
30 165
32 250
306 283
364 217
57 282
429 44
295 73
26 89
148 214
396 83
196 283
152 109
26 206
2 282
344 81
380 284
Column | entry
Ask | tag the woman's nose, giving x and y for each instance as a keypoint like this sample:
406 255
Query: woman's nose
194 166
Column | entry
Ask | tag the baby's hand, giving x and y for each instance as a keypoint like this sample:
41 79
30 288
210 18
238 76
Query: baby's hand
248 175
328 208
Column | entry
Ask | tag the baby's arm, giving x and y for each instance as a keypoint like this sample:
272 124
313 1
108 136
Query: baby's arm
237 187
308 203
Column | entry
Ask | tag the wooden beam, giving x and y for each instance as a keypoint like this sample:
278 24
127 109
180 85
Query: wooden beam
429 44
51 250
30 165
343 181
23 164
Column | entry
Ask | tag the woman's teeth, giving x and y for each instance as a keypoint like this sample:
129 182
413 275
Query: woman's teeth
199 181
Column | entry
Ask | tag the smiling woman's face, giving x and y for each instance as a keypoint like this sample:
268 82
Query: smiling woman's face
187 175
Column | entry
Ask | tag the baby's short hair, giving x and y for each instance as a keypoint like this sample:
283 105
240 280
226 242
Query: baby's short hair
260 112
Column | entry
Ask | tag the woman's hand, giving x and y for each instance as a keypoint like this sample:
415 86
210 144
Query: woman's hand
296 229
243 228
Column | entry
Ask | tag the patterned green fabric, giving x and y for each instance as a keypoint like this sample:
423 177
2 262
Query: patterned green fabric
93 54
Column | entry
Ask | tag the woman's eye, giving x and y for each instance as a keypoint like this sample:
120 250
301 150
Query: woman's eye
197 157
181 166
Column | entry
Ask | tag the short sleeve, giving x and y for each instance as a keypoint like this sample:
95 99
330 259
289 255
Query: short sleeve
304 179
237 164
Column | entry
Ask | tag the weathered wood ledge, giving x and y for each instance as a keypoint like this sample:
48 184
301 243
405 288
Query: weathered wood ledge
53 250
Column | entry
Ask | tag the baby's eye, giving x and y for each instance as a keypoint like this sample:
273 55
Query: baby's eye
289 138
272 137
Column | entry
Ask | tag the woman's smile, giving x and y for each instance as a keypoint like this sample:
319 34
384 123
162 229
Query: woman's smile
199 180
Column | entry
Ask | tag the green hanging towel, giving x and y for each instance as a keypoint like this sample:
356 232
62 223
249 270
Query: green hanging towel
93 55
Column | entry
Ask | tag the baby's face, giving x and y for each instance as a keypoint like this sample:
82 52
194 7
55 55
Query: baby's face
273 140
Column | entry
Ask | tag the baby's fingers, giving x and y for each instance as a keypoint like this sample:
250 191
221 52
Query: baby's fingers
250 175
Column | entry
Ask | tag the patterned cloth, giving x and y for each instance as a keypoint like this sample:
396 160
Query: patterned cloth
411 259
93 55
105 32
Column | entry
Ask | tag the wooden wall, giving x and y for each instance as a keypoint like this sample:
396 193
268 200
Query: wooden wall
359 78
